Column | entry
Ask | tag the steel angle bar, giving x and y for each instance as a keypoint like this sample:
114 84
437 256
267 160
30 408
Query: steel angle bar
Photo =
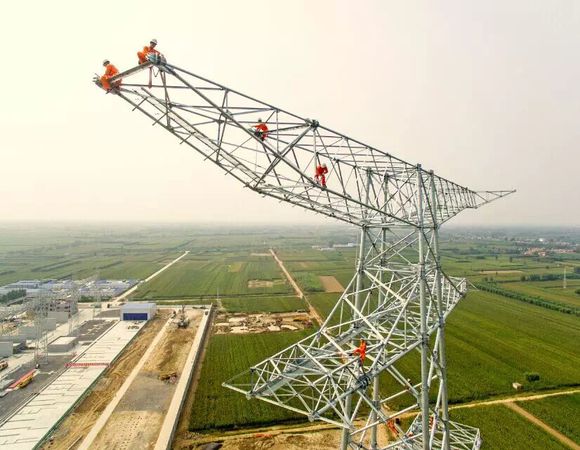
398 297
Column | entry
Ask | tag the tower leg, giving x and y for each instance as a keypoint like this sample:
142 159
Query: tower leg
382 300
442 361
424 402
345 440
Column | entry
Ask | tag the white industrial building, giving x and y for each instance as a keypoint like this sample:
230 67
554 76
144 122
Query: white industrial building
62 344
138 311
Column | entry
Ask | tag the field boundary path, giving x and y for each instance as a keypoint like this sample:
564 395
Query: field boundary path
289 429
297 289
515 398
128 292
536 421
106 414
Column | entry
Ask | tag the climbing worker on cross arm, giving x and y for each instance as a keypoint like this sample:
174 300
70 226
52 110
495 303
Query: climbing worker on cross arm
110 72
147 50
320 174
361 351
261 130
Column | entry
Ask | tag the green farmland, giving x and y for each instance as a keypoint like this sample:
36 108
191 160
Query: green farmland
76 252
560 413
216 407
200 275
502 429
548 290
493 341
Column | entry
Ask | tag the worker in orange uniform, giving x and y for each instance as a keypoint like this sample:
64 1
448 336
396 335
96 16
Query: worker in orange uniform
261 130
110 72
320 174
361 351
146 50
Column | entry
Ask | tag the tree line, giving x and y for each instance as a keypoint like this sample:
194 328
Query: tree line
538 301
12 295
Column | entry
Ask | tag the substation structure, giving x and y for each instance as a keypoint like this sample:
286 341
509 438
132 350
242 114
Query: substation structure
398 299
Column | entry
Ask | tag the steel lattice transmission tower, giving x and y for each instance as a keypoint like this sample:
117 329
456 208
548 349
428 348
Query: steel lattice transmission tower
398 298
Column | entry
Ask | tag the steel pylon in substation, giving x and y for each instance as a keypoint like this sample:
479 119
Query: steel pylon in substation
398 298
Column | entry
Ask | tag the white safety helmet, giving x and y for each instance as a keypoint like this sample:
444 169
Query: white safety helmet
106 61
153 41
324 165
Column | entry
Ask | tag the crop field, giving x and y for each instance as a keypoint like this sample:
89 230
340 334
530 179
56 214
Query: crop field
549 290
492 342
264 304
216 407
306 267
560 413
501 269
324 302
32 252
502 428
197 275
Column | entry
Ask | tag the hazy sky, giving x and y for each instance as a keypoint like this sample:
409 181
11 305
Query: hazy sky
485 93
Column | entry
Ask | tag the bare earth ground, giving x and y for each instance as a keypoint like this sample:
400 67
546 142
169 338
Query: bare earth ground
330 284
321 440
253 284
312 311
242 323
324 436
76 426
309 437
141 411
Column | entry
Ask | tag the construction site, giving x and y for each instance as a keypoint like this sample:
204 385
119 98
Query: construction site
240 323
62 363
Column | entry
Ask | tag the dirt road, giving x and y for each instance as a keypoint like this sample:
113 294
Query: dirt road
318 435
515 398
296 288
565 440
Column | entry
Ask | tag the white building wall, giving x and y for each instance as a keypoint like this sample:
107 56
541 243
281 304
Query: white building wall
5 349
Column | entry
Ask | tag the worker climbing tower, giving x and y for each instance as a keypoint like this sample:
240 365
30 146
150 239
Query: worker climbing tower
398 299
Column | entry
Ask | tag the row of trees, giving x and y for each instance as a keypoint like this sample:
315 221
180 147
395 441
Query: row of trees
538 301
12 295
549 277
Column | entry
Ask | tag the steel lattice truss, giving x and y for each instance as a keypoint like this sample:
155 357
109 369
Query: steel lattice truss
398 298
